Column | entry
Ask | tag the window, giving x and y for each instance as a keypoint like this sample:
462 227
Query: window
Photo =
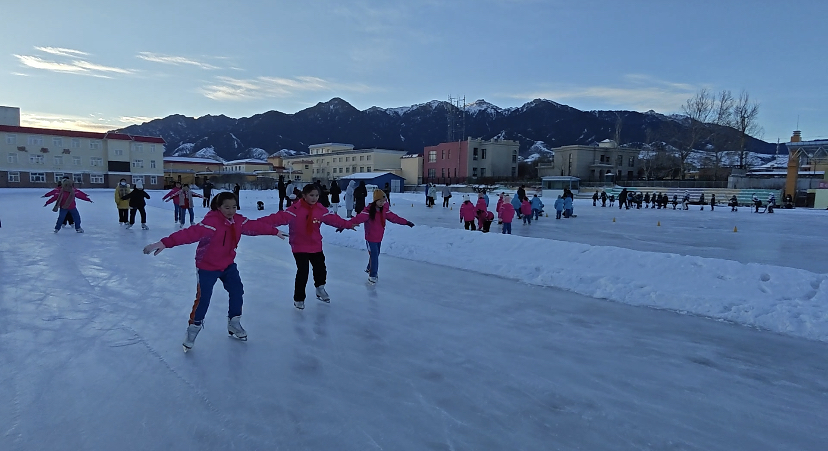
474 154
307 166
448 154
482 172
514 171
632 162
96 178
94 144
152 164
432 173
137 147
153 178
38 177
514 157
348 170
78 178
57 142
367 168
443 172
137 178
36 159
362 169
152 148
474 172
619 160
96 161
12 139
12 158
119 152
347 159
58 176
35 140
14 177
361 157
75 143
482 157
58 160
368 158
432 156
443 154
76 161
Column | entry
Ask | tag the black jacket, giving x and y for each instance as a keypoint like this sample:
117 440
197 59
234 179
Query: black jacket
136 198
360 193
335 191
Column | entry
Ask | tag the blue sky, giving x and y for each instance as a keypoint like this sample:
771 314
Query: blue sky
96 64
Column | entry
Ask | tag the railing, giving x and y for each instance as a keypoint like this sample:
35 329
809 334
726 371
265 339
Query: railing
670 184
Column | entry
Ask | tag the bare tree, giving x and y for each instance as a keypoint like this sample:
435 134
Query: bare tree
745 115
722 138
699 110
619 123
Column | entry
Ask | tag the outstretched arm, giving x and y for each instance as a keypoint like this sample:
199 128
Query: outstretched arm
391 216
276 219
337 221
82 196
187 236
253 227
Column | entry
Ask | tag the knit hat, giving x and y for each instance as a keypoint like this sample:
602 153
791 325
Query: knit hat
139 184
378 194
466 197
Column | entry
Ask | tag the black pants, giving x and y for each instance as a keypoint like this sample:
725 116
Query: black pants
206 202
123 215
69 220
470 225
282 203
320 273
132 215
446 201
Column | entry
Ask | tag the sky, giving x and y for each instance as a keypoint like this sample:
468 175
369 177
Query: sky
99 65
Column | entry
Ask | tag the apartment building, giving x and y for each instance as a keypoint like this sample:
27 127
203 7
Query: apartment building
412 169
39 157
594 163
190 170
461 161
332 161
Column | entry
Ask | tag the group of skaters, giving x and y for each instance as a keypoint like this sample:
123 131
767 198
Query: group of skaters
507 208
638 200
218 235
330 197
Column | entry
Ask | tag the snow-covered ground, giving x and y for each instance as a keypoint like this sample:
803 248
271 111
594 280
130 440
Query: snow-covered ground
465 343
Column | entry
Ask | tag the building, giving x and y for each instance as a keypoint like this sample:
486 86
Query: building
600 162
248 166
193 171
332 161
412 169
807 159
379 179
462 161
39 157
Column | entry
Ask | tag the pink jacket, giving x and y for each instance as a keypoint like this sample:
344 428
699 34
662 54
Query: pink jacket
481 205
218 238
374 230
304 222
59 198
507 213
170 194
525 208
499 204
467 211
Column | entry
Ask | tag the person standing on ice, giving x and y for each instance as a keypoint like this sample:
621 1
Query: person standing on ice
217 236
349 198
374 216
507 214
65 203
604 198
771 202
559 207
537 206
734 203
236 191
54 192
432 193
481 208
290 197
446 195
526 211
685 201
304 219
172 193
360 193
137 202
121 202
515 203
335 192
467 213
567 207
701 201
712 202
184 199
756 203
622 199
497 207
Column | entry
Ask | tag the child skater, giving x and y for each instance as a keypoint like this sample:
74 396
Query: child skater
507 213
137 201
184 199
481 207
467 213
559 207
217 235
65 202
68 221
375 215
526 210
304 219
173 192
121 202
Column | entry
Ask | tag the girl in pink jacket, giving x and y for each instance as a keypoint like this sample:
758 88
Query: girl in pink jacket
218 236
65 202
170 194
481 208
499 204
507 213
526 210
304 219
375 215
467 213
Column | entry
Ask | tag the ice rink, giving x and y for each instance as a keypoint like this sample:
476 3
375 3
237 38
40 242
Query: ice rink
432 357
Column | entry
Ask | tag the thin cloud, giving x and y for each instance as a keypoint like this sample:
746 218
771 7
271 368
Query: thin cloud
75 67
175 60
19 74
70 122
98 67
62 51
229 88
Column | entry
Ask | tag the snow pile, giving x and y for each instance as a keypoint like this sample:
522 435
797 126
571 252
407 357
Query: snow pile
183 150
781 299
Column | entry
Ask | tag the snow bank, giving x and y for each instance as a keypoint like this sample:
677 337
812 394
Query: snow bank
781 299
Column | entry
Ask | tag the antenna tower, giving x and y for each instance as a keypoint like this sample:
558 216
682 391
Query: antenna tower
456 118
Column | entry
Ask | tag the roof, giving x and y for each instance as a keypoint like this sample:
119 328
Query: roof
329 144
191 160
247 161
368 175
80 134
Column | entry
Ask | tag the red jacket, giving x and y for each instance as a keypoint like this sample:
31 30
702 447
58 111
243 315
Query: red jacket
467 211
60 197
507 213
374 230
304 221
525 208
218 238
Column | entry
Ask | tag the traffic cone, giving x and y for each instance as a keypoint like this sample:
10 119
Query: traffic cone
547 215
613 219
734 229
412 205
659 224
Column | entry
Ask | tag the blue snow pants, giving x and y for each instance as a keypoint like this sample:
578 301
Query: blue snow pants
206 280
373 262
62 217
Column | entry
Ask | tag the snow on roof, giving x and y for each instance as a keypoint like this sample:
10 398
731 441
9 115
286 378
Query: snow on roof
367 175
247 161
191 160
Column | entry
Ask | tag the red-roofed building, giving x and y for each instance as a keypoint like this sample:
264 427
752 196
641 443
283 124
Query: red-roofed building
39 157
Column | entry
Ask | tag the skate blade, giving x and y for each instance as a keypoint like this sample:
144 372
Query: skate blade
232 335
327 301
186 349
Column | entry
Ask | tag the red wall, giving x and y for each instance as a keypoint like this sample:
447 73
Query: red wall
457 163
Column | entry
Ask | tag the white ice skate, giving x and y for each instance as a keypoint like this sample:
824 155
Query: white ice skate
235 329
322 295
144 226
129 226
79 230
372 280
192 333
299 304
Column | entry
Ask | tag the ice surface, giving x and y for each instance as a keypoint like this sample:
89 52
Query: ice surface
432 357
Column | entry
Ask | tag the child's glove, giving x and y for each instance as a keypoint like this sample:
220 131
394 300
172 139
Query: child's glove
339 230
281 235
156 247
409 224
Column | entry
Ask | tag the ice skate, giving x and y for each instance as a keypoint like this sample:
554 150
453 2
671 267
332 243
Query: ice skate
235 329
372 280
322 295
79 230
57 230
129 226
144 226
299 304
192 333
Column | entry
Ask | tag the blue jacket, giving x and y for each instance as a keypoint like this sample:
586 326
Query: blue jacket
559 204
486 197
568 203
516 203
537 204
